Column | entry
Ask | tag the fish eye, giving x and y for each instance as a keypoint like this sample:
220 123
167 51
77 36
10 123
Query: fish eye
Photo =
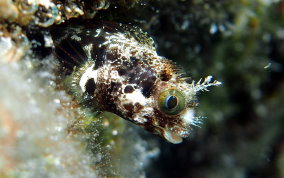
171 101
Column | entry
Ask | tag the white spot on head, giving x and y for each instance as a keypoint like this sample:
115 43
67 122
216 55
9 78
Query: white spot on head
188 116
88 74
136 97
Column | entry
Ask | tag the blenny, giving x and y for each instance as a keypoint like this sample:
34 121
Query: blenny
114 67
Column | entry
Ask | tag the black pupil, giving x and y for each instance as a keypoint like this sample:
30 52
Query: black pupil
171 102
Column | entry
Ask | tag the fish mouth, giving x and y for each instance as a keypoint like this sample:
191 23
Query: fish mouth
171 136
168 135
175 133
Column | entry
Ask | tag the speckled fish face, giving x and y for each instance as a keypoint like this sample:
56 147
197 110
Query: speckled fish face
163 103
168 112
173 114
113 67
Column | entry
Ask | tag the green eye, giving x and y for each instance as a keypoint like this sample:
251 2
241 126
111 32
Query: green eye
171 101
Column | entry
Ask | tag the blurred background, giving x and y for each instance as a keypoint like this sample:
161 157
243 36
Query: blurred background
240 43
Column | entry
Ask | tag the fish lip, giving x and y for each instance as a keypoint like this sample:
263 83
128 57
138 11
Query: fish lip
171 136
173 133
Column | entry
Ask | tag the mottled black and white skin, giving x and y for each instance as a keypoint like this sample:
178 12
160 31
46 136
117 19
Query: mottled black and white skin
115 68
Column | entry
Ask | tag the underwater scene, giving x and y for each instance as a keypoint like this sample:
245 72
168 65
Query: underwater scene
141 89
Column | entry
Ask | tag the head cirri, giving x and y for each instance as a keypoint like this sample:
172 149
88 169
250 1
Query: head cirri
115 68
